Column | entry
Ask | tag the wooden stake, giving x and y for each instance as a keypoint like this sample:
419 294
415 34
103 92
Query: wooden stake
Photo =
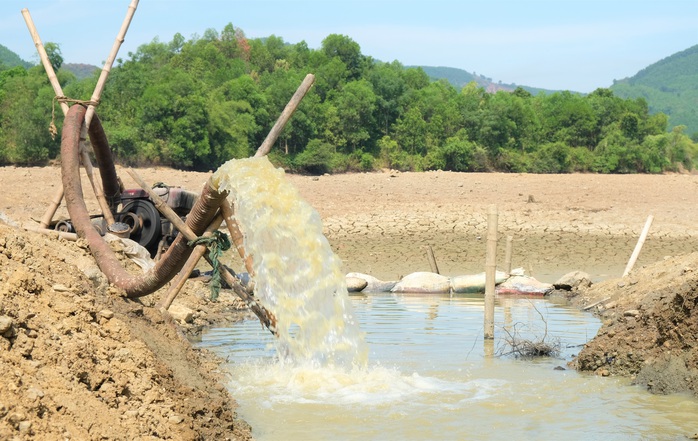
490 270
432 260
638 247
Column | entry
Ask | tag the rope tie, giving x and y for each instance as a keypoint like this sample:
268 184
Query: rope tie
216 244
63 99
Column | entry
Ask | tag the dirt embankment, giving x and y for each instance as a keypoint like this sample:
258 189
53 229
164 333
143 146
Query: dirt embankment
650 326
81 362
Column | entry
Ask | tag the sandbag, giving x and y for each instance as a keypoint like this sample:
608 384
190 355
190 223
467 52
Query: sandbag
423 282
372 284
523 285
474 283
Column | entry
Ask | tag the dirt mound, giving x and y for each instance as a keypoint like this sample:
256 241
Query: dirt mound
79 361
650 326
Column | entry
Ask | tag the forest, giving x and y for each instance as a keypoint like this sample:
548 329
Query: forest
196 103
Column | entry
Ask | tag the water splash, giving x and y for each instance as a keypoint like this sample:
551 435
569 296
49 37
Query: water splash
297 275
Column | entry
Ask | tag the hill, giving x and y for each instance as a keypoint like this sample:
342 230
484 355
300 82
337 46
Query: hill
459 78
669 86
10 59
80 70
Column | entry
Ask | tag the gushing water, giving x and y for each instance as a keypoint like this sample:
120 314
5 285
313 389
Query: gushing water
297 275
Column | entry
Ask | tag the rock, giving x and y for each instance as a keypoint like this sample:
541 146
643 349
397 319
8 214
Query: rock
631 313
423 282
181 313
34 393
573 280
5 323
24 427
107 314
356 284
176 419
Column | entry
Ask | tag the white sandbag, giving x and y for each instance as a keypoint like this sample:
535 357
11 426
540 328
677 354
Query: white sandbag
473 283
423 282
523 285
372 284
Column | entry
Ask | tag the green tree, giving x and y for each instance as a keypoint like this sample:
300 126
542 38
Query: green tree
346 50
355 105
411 131
53 51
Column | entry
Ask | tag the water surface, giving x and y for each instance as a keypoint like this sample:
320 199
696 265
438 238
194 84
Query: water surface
431 376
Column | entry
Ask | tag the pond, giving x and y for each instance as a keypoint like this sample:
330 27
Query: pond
430 375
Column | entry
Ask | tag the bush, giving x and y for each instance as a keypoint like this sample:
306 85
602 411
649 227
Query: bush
581 159
514 161
316 159
552 158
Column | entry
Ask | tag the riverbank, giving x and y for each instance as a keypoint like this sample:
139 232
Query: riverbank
84 363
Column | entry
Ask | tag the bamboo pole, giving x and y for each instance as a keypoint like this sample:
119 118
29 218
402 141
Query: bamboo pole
236 235
490 271
44 58
638 246
52 233
86 161
94 180
55 203
432 260
110 61
185 272
507 255
58 197
285 116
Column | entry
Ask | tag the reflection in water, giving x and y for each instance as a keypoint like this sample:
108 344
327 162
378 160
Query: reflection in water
429 378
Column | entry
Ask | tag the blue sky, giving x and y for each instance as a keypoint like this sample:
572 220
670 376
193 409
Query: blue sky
552 44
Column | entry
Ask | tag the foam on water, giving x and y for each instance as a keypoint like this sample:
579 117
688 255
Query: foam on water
364 387
297 275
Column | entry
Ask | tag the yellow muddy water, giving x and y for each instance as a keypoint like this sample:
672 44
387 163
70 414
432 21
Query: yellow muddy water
430 376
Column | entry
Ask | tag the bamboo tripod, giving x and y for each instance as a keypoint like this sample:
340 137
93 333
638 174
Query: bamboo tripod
208 213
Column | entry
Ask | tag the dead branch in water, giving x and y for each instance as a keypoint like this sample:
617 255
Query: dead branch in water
524 348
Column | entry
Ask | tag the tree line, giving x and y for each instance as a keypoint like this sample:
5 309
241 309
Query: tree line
194 104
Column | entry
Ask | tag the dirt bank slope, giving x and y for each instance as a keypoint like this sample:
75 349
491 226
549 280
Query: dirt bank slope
78 361
650 326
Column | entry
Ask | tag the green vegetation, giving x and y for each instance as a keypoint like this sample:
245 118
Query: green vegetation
670 86
9 59
196 103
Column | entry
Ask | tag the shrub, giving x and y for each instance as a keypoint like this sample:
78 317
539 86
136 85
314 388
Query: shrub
316 159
